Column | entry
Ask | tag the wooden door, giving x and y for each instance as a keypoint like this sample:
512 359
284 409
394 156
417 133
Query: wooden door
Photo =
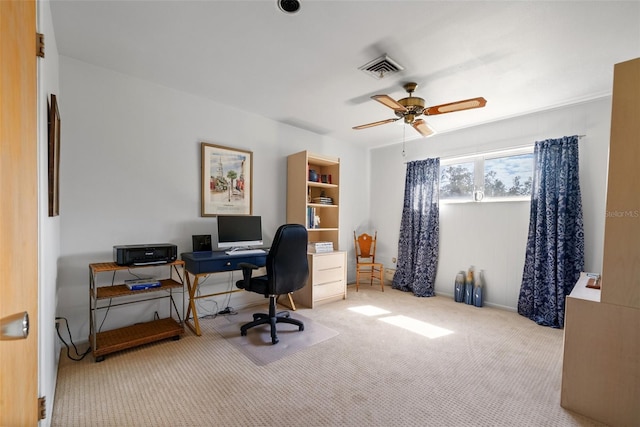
18 210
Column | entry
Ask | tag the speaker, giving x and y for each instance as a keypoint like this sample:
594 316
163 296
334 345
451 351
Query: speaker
201 243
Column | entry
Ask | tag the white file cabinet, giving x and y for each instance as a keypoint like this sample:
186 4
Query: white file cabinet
327 279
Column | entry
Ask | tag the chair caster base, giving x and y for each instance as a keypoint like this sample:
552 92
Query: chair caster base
262 318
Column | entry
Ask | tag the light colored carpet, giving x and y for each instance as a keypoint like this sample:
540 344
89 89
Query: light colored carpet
414 362
257 346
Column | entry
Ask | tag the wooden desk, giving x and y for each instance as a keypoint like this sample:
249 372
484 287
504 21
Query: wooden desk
204 263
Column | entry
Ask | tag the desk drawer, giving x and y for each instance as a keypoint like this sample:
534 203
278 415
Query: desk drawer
328 289
327 275
327 279
216 265
327 261
328 267
219 265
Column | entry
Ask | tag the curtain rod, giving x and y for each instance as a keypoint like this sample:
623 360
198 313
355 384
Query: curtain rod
513 147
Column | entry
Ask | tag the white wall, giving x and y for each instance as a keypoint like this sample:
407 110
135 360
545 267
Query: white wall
49 227
130 174
492 236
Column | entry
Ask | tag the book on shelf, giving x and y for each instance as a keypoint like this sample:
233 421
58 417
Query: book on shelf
322 200
320 247
140 284
313 220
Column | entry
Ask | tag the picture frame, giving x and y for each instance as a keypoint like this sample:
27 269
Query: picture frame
54 157
226 181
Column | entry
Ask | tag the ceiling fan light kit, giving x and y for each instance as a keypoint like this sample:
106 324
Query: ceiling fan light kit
423 128
411 107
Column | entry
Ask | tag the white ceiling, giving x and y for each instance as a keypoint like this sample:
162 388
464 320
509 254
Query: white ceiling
302 69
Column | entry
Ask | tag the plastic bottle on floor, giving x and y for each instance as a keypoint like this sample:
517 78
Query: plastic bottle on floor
458 290
477 290
468 287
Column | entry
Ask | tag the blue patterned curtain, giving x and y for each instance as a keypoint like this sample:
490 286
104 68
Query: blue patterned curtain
555 247
419 230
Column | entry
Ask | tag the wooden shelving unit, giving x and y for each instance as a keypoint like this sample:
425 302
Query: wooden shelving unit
327 271
106 342
301 192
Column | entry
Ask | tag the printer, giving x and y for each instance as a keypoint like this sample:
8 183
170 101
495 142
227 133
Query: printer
159 253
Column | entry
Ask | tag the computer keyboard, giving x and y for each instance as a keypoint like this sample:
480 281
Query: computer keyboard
247 252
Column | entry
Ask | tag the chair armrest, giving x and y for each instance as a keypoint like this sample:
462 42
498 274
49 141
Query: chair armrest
247 264
247 269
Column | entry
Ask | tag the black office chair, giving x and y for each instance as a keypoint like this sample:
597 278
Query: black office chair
287 271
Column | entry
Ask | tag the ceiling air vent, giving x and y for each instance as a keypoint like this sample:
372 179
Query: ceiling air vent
381 67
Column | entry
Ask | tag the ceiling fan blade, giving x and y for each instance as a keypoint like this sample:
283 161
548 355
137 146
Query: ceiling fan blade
389 102
381 122
422 127
467 104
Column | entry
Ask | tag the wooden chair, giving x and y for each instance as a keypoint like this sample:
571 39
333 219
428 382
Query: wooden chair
366 264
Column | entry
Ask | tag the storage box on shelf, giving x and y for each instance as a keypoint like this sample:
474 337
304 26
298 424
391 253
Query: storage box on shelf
105 342
313 199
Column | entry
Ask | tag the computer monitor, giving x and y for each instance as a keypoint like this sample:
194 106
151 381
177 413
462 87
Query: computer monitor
239 231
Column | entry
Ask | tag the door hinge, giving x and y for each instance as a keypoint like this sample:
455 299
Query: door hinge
42 408
40 45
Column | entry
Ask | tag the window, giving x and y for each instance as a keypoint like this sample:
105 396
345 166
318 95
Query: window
508 176
457 181
505 175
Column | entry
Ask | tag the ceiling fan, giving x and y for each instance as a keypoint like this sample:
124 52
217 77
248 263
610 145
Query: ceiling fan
411 107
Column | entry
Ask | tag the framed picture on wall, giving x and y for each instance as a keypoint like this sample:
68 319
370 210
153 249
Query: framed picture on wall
227 181
54 156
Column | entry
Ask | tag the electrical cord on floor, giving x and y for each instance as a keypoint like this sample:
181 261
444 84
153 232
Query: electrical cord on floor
214 311
227 311
79 356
